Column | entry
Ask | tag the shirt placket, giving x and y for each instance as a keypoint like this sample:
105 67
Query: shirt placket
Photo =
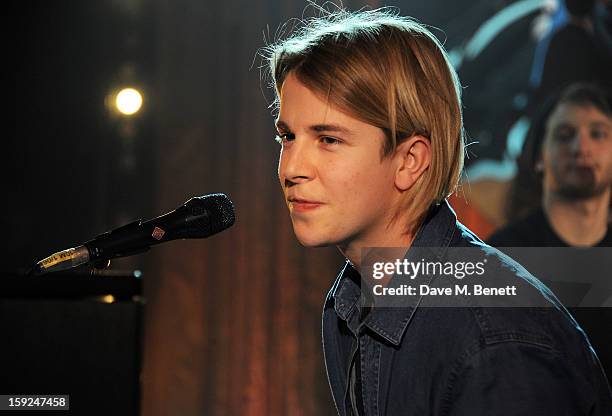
357 351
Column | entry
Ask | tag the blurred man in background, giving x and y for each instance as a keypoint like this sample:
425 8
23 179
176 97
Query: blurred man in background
565 176
568 159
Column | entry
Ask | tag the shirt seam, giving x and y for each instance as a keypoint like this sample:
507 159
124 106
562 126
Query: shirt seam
476 348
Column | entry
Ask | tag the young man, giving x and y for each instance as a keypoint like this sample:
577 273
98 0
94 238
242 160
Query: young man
569 155
372 143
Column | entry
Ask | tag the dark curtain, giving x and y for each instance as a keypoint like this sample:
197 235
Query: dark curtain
233 322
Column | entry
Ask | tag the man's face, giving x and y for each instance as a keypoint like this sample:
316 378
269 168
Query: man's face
577 151
337 188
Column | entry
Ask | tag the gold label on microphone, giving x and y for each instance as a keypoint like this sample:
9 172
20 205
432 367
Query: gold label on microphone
56 258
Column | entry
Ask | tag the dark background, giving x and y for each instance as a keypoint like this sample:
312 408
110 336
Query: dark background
232 323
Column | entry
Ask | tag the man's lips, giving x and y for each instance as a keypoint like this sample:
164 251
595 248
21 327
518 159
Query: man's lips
302 205
582 162
581 166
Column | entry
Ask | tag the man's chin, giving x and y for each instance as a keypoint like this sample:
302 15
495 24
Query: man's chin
578 191
309 239
312 243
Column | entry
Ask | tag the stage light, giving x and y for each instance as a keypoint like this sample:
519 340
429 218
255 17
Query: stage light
128 101
107 299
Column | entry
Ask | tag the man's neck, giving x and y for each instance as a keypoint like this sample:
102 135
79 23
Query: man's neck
581 222
395 236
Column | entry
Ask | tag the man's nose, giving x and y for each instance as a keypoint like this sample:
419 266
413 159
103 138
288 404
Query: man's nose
296 162
581 143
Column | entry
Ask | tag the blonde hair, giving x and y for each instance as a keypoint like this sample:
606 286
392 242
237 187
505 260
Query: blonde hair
388 71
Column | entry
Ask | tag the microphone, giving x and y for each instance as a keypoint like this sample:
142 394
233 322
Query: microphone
199 217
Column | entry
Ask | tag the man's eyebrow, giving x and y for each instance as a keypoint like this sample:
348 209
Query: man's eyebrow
563 125
317 128
600 124
321 128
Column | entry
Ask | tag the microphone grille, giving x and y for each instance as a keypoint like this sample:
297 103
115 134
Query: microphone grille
219 209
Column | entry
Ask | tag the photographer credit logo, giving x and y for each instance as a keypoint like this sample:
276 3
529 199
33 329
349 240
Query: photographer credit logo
394 273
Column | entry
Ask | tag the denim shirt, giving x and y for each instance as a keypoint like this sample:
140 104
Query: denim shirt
418 360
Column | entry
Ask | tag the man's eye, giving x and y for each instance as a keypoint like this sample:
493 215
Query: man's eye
599 134
329 140
564 135
285 137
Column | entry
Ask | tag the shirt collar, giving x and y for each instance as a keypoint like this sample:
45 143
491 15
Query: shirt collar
436 233
346 291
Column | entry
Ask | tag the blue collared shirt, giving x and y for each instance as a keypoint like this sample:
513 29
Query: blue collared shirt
418 360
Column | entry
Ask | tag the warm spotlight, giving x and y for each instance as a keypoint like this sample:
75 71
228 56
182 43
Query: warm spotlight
107 299
128 101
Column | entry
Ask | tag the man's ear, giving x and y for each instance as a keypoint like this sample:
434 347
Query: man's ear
413 157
